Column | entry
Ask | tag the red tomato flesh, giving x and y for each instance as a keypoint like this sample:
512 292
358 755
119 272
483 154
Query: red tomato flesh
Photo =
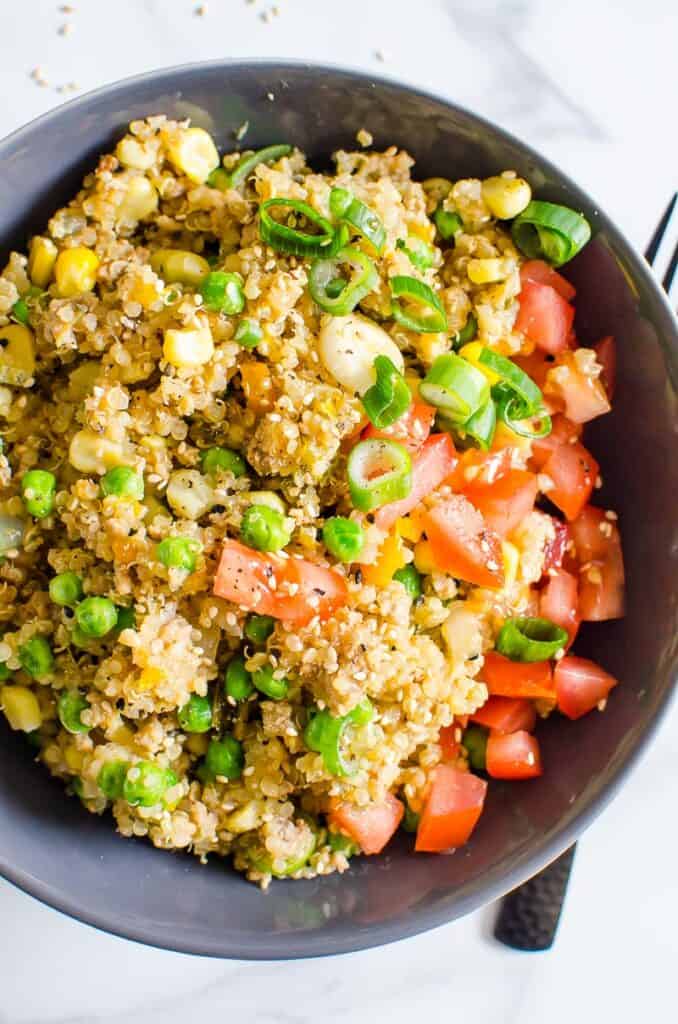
453 806
476 467
581 685
573 471
506 714
506 678
599 552
563 431
544 317
542 273
557 548
513 756
260 583
448 743
371 826
582 393
504 503
411 430
434 463
559 601
462 543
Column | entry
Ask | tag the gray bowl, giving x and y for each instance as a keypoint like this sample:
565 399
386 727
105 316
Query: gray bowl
55 850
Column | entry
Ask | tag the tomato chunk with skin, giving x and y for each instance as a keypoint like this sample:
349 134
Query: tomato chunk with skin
371 826
434 463
559 601
448 742
453 806
574 472
574 380
557 548
544 317
411 430
506 715
506 678
504 503
563 431
515 755
601 578
260 583
581 685
542 273
462 543
476 467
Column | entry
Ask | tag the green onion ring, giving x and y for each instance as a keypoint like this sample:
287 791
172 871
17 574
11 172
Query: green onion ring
551 232
345 207
481 426
512 411
324 734
246 165
324 278
467 333
388 398
379 472
430 322
514 378
418 252
291 240
455 387
530 639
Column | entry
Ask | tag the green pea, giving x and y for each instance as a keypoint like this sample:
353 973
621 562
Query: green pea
126 619
38 488
266 683
123 481
224 758
238 681
146 783
96 616
258 628
70 706
410 579
111 779
20 311
410 822
475 741
344 538
339 843
196 715
213 459
65 589
36 657
5 673
261 860
179 552
264 528
248 333
79 638
222 292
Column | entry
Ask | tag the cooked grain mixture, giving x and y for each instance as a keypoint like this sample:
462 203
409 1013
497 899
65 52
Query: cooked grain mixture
268 497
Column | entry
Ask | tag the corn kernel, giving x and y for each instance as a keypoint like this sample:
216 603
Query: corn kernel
140 201
437 189
471 354
506 197
511 558
132 153
257 384
189 494
146 293
42 256
150 678
179 266
268 498
74 758
21 708
389 560
192 346
90 453
17 355
487 271
124 735
76 271
197 743
423 557
244 819
193 152
425 231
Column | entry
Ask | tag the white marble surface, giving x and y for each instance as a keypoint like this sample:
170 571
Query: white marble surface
591 85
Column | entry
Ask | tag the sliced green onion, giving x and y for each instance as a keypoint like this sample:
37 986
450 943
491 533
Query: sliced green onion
389 397
431 319
345 207
467 333
514 378
512 411
20 311
219 178
343 538
551 232
410 822
417 251
475 741
527 639
447 222
324 734
324 278
246 165
456 387
481 426
286 238
379 472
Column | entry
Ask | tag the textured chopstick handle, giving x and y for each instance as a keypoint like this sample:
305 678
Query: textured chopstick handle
529 915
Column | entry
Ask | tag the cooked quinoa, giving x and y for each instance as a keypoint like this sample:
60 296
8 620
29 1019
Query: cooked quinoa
113 357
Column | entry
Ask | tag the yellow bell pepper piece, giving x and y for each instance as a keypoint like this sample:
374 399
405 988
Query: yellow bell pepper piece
471 353
17 355
256 383
423 558
410 527
390 559
511 558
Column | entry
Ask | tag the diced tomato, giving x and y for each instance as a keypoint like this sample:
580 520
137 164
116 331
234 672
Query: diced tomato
563 431
411 430
504 503
573 471
580 685
448 743
453 806
536 365
434 463
559 601
556 549
371 826
573 380
506 714
462 543
260 583
475 466
506 678
601 579
544 317
606 355
514 756
542 273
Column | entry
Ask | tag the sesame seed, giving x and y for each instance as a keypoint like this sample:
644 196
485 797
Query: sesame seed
530 758
599 482
602 704
611 515
270 96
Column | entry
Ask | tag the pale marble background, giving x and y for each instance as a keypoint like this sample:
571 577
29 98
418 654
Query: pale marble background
592 85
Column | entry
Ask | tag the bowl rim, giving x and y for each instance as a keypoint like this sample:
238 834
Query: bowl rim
497 882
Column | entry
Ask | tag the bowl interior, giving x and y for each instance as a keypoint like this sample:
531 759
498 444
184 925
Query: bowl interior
53 848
